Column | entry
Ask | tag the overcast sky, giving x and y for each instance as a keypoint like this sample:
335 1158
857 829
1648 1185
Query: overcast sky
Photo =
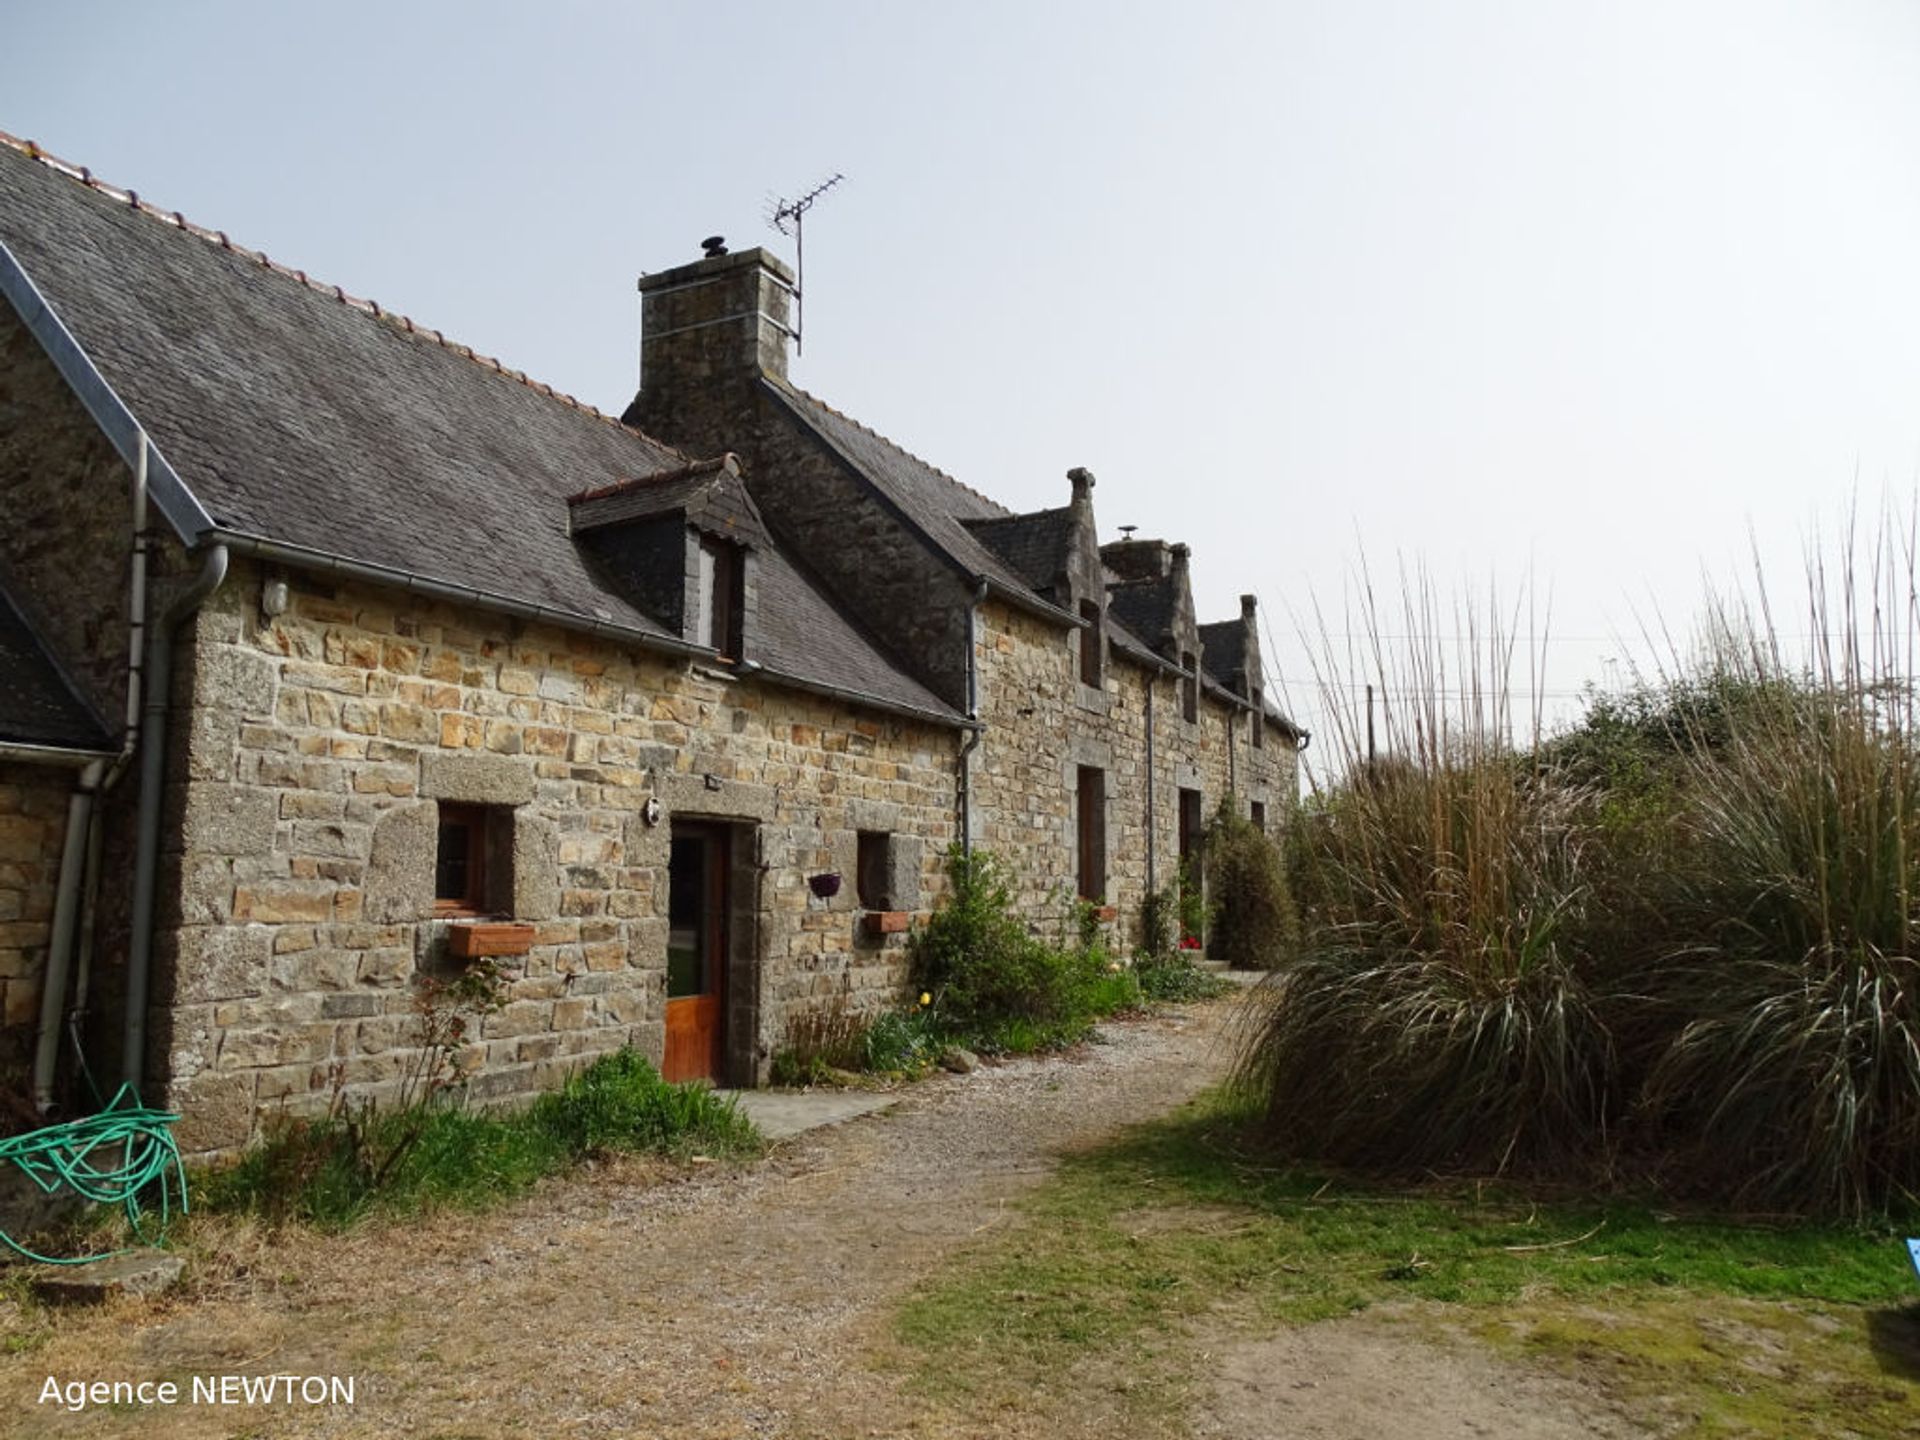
1576 290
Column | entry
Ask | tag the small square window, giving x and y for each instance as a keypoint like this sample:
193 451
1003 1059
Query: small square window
472 867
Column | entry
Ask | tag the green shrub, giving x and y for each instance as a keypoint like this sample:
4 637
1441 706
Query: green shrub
321 1171
1255 925
978 959
621 1103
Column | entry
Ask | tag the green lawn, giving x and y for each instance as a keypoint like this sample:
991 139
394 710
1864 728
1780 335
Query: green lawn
1110 1264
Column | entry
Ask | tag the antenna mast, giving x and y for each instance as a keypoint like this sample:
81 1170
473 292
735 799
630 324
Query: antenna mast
793 212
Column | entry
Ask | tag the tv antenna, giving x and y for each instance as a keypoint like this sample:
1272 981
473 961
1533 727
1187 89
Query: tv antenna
784 213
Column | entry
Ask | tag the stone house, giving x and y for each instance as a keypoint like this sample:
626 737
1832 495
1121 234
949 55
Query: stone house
672 717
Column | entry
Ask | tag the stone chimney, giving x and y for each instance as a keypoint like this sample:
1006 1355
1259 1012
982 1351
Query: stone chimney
1081 479
708 327
1138 559
1248 607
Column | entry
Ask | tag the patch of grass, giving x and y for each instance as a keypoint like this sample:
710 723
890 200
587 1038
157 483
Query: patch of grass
1182 1220
315 1171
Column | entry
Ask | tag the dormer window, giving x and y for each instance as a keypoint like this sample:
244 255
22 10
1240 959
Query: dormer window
1189 688
1093 645
722 582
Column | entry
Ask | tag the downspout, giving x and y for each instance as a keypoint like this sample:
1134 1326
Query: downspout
66 913
1153 874
153 752
972 742
1233 768
79 854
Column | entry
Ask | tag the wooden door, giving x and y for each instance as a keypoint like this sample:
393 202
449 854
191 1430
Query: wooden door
696 954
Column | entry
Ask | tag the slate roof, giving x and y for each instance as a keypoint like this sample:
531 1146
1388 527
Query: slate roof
1146 607
301 416
937 504
37 705
1035 544
1223 651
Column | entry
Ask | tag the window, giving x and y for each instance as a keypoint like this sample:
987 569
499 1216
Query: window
1259 722
1192 825
1257 812
722 597
1091 826
871 872
471 862
1093 645
1189 688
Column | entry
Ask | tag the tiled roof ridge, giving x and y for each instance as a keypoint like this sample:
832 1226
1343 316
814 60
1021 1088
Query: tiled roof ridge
888 440
34 151
662 477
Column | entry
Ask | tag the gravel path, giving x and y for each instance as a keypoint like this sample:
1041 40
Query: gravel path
733 1303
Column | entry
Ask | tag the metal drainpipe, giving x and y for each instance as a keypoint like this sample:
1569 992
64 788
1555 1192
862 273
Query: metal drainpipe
1233 770
146 862
972 741
66 912
79 864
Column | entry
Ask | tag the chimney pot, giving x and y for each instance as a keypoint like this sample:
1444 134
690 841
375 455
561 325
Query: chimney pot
714 246
1081 479
1248 604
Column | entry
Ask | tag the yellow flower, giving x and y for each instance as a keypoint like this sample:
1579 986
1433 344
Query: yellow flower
925 998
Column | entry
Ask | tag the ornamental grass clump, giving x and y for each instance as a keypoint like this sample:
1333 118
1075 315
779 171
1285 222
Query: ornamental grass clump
1442 1011
1790 1078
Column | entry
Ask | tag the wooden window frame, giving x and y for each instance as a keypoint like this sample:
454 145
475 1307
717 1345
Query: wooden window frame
1090 833
725 601
477 822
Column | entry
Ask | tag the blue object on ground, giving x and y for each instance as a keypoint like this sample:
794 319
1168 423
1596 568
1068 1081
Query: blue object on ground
1913 1254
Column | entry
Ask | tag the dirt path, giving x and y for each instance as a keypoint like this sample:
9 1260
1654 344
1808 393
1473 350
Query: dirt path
730 1304
733 1302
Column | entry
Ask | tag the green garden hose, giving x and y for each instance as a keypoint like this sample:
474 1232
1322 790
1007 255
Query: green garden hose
135 1148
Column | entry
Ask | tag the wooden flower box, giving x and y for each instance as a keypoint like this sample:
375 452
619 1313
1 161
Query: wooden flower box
887 922
478 939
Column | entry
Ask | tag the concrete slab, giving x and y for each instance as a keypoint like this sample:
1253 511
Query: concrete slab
144 1272
784 1113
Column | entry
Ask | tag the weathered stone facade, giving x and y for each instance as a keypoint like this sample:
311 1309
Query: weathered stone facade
33 824
324 739
487 668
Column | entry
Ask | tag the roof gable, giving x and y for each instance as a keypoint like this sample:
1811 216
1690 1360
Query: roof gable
37 705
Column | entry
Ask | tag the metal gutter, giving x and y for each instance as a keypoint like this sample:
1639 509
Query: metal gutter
329 563
332 563
187 517
866 702
25 754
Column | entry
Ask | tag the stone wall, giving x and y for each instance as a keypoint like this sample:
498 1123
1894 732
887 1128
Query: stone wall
65 520
321 744
33 823
1043 724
